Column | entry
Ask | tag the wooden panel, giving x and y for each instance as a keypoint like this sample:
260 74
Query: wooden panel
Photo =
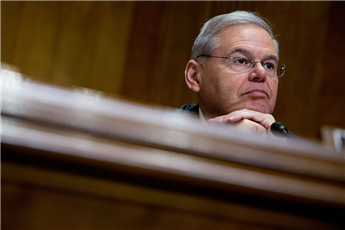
331 96
68 43
35 40
296 104
169 87
143 52
41 199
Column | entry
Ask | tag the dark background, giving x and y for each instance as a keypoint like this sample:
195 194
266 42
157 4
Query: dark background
138 51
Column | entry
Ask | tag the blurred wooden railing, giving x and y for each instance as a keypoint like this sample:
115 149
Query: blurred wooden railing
75 159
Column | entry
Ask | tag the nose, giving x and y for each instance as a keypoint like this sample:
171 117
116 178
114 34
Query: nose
258 73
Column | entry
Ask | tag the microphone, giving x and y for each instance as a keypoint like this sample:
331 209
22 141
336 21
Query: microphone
279 129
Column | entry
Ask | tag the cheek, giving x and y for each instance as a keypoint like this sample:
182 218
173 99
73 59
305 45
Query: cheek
222 84
236 83
274 88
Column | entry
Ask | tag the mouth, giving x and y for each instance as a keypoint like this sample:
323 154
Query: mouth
256 93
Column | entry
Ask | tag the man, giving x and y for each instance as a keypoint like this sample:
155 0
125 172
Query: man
234 70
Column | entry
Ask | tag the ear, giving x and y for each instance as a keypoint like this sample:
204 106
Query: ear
192 75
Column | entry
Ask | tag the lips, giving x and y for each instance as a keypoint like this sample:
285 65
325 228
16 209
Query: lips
256 92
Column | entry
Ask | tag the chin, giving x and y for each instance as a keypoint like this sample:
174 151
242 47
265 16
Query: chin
259 107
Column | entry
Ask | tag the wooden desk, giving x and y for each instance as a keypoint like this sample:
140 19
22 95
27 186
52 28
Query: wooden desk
75 160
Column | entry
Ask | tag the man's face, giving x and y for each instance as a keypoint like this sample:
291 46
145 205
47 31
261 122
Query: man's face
221 90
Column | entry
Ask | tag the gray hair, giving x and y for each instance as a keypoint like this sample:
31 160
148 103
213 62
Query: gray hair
207 39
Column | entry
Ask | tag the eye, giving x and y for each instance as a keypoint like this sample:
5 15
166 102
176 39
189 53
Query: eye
241 61
268 65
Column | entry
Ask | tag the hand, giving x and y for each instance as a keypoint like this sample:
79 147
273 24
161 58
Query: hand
247 125
246 119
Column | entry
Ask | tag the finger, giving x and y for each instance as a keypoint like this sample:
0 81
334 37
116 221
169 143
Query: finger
250 126
221 119
264 119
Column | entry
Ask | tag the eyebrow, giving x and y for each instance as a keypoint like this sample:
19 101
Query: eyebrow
241 50
248 52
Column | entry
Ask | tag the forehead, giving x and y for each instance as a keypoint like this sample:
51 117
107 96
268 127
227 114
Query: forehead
246 36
